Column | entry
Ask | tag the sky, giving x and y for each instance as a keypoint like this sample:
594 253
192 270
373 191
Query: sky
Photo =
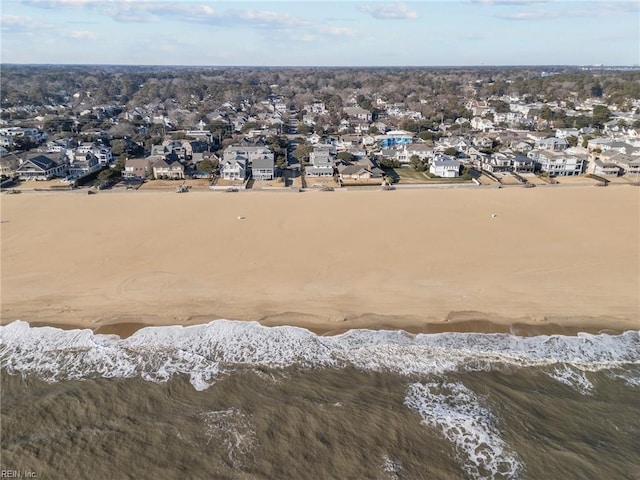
321 33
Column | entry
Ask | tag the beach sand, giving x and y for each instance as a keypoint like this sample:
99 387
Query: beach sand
328 261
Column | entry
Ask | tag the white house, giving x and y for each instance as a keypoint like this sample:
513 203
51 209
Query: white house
165 170
445 167
557 163
234 169
323 159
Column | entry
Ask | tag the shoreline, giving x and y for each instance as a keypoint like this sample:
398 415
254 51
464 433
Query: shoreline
480 326
413 259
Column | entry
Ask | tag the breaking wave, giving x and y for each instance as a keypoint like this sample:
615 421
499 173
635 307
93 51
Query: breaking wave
204 352
460 416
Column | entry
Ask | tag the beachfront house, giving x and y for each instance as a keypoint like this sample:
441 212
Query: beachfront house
40 167
445 167
522 164
137 169
557 163
163 169
605 169
247 153
629 164
234 169
364 171
323 159
498 162
263 168
83 164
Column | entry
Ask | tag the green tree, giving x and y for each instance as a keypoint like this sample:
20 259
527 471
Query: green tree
118 147
601 114
302 153
572 140
23 143
209 165
451 151
389 163
546 113
345 157
417 164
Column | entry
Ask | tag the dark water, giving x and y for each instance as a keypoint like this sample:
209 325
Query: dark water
285 404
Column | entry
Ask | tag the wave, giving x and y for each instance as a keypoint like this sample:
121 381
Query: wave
204 352
459 414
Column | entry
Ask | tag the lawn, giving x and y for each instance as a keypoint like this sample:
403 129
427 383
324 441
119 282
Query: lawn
406 176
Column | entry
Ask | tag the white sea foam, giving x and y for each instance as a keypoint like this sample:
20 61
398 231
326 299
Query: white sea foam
232 430
204 352
631 377
572 377
459 414
391 465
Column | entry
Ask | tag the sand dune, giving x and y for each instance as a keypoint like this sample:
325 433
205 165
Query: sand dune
328 260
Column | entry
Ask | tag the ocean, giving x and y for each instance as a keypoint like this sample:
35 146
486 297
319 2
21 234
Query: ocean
238 400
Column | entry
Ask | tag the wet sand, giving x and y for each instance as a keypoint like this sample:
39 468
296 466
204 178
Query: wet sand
422 260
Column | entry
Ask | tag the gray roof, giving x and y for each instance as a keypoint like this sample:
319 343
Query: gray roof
262 163
446 163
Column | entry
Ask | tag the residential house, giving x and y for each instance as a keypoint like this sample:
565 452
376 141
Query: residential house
599 143
620 147
483 142
498 162
557 163
358 113
103 154
523 164
322 159
444 166
357 172
9 164
567 132
422 150
176 147
606 169
40 167
314 139
482 124
395 138
83 164
163 169
137 168
629 164
248 153
234 168
520 146
263 168
553 144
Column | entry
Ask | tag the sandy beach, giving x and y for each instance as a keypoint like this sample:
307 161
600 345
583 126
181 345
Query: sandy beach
329 261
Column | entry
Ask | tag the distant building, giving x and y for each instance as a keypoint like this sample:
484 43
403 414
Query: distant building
394 138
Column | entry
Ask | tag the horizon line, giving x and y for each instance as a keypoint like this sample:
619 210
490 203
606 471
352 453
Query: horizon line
550 65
